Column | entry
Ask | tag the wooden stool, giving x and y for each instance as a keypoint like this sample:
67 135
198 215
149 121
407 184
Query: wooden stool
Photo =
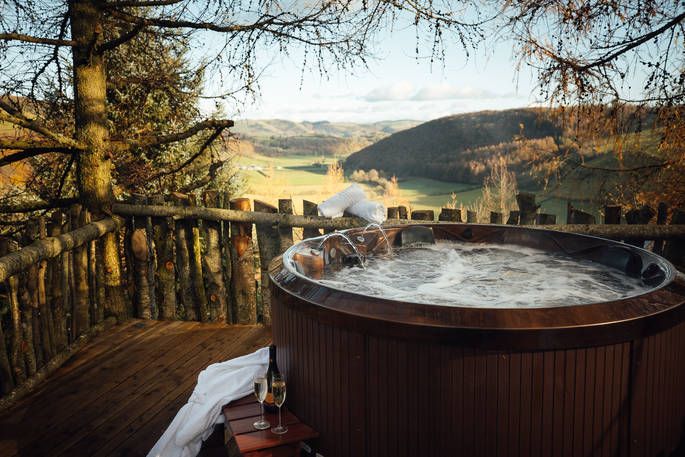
241 438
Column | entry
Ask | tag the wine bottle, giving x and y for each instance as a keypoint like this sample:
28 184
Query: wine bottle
272 370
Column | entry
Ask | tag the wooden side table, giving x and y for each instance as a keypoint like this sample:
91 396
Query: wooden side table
241 438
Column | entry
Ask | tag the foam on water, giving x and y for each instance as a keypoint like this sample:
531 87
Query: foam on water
485 275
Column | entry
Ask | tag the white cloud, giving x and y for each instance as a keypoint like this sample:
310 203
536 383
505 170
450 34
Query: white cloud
401 90
405 91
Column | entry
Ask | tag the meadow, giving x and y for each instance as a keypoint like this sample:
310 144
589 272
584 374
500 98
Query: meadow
297 177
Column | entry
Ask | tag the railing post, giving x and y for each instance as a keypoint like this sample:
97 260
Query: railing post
80 320
450 215
243 266
183 262
163 236
527 208
285 206
309 209
216 288
268 242
661 219
61 299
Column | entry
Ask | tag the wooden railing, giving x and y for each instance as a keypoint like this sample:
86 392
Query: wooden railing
204 263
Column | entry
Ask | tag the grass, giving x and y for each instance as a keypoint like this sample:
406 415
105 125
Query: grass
295 177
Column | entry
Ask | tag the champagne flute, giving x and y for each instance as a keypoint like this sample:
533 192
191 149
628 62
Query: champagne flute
260 388
278 389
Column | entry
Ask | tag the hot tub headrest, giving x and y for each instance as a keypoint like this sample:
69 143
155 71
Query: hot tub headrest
620 257
653 275
414 235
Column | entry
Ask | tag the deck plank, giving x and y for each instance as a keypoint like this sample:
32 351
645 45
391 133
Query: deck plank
117 395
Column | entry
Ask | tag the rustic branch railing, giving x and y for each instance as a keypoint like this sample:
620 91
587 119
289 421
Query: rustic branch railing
205 263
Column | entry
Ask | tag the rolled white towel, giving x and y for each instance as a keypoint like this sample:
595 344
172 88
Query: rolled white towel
338 203
369 210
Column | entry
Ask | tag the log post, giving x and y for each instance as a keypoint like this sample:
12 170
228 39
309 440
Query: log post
139 249
115 300
100 292
495 217
243 266
576 216
661 219
527 208
285 233
80 321
183 261
140 261
16 355
674 250
227 259
96 310
154 310
309 209
216 288
196 265
471 216
423 215
46 321
162 234
513 218
545 219
61 298
639 216
6 379
612 214
29 297
268 242
450 215
403 212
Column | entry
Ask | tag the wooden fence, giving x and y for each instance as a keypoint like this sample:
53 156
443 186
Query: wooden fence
201 260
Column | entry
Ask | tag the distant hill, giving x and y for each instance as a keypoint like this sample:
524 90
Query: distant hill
457 148
278 137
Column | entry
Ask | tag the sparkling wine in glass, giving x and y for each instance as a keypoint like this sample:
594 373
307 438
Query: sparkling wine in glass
278 389
260 387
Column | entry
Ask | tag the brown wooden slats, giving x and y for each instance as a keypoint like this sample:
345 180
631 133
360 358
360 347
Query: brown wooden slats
123 416
439 399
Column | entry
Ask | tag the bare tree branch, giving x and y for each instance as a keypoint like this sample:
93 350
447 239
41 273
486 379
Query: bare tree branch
25 154
15 117
108 46
190 160
142 3
216 124
28 207
38 40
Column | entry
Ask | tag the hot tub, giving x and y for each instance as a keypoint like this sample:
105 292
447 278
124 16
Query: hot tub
393 377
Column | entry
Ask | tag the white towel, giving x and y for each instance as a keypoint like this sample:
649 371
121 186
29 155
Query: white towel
369 210
217 385
336 205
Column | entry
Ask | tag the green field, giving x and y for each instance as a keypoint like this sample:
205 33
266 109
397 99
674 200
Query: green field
296 177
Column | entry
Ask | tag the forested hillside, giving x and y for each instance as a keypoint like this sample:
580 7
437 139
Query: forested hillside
457 148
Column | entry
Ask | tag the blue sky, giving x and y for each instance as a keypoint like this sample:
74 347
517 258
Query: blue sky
396 85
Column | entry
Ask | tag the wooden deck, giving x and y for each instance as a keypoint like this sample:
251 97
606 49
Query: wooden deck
117 395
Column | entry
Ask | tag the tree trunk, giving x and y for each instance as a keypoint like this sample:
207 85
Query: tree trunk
94 165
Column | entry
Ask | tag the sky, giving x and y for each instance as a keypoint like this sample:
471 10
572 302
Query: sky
396 85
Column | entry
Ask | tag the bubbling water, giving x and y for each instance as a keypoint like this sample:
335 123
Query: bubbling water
485 275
